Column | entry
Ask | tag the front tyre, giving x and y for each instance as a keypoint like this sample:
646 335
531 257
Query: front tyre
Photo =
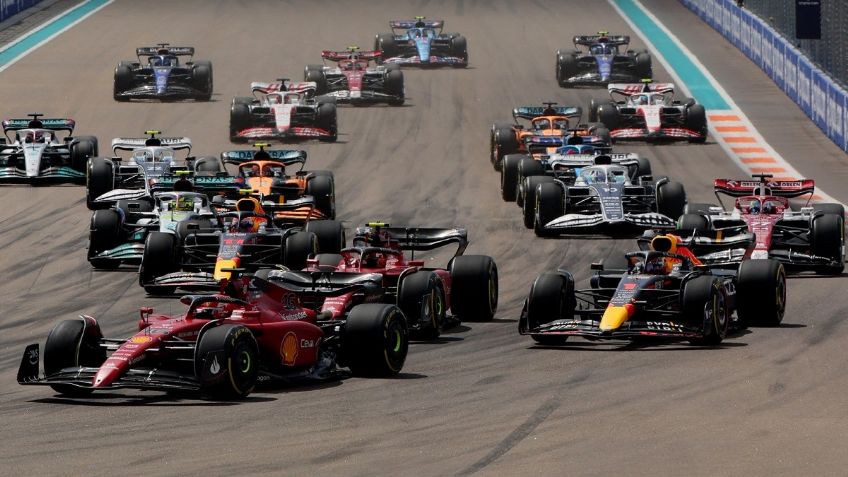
227 362
375 340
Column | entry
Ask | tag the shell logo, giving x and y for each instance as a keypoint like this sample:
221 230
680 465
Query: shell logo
140 339
289 348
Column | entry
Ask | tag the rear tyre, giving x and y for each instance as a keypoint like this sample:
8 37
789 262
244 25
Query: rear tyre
503 142
608 114
692 224
329 233
594 103
604 134
549 205
671 199
835 209
474 287
527 167
828 239
422 300
315 73
643 65
159 258
530 187
298 247
385 42
375 340
322 188
643 167
227 362
83 148
551 298
704 305
201 79
760 293
459 49
509 176
67 347
393 84
100 179
105 235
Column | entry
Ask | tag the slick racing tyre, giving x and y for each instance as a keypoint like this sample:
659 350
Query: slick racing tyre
227 362
297 248
100 179
696 120
105 235
385 42
393 85
201 79
671 199
375 340
692 224
594 104
503 141
82 149
159 258
509 176
705 306
69 345
827 238
322 188
240 119
566 67
550 205
608 114
551 298
315 73
422 300
329 233
123 81
459 49
527 167
643 65
474 287
530 187
760 293
326 120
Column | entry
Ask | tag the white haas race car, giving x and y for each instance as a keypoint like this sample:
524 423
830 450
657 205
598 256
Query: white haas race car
648 112
285 111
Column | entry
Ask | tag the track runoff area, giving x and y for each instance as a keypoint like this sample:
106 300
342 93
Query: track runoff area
728 124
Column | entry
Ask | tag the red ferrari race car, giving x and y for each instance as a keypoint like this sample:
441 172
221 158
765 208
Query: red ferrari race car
811 238
467 288
223 346
649 112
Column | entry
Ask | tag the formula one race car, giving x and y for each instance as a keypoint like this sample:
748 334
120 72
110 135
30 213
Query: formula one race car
603 63
152 166
283 111
421 42
665 292
648 112
354 80
468 287
200 259
158 74
222 346
117 235
264 173
35 154
604 198
811 238
550 127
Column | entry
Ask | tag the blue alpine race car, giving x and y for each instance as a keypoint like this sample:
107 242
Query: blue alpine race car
421 42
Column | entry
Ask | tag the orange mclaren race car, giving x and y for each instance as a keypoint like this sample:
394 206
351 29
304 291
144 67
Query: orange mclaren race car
264 172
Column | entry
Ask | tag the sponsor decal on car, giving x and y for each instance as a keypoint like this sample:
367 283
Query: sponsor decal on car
289 348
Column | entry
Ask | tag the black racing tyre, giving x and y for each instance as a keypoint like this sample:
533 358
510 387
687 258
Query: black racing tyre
643 167
696 120
643 65
509 176
594 103
835 209
326 120
201 79
527 167
697 208
550 205
318 77
123 81
82 149
671 199
566 67
322 189
760 293
474 287
208 165
693 224
704 305
242 100
527 197
100 179
240 119
551 298
375 340
329 260
604 134
298 247
227 362
827 239
105 234
422 300
608 114
503 142
329 233
385 42
159 258
70 345
459 48
393 85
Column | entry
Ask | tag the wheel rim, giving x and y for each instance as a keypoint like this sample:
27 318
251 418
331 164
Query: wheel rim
394 352
245 362
719 315
780 292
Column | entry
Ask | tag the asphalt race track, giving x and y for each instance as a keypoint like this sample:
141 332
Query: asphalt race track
482 400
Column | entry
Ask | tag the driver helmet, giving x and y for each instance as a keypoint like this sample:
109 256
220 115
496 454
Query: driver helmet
769 208
274 99
597 175
183 185
254 170
640 99
754 208
35 136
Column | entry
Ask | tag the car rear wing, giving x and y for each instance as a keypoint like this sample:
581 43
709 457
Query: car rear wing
530 112
323 283
350 55
55 124
285 156
629 89
545 141
417 238
164 49
588 40
133 143
284 86
418 23
764 186
220 183
584 160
